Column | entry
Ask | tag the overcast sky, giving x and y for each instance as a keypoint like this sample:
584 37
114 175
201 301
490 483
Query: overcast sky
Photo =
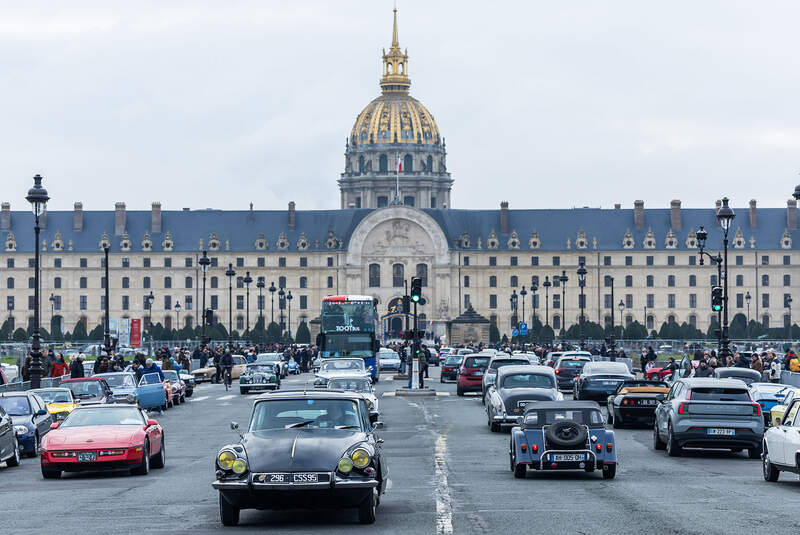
542 103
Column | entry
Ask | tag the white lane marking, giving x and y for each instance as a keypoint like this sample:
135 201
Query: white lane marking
442 393
388 394
223 398
444 502
201 398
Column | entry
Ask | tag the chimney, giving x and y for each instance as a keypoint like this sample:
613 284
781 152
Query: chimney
77 217
119 219
675 215
638 213
617 206
5 220
504 217
252 216
753 220
155 217
291 218
791 214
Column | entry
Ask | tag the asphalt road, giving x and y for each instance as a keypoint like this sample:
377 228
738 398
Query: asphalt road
449 473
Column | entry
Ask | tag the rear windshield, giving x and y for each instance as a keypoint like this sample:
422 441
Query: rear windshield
500 363
452 361
551 416
572 363
719 394
477 362
527 380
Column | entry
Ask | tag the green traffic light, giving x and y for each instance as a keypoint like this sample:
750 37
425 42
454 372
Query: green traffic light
415 298
717 308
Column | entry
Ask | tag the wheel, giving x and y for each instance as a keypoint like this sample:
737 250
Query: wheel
494 427
609 471
14 460
658 444
770 472
366 511
183 398
35 452
228 514
611 416
144 468
520 471
189 393
673 448
163 407
653 377
159 460
754 453
459 391
242 390
617 423
50 474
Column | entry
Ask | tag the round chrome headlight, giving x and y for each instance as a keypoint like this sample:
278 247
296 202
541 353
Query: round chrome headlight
226 459
239 466
131 398
345 465
360 458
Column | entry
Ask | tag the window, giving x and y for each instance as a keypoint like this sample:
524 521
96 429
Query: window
239 302
126 282
606 301
765 260
408 164
433 199
651 301
765 280
692 280
649 261
145 304
102 263
398 275
739 300
374 275
671 300
146 282
787 280
670 260
786 260
628 260
628 300
383 201
102 282
167 282
383 164
303 261
535 281
330 261
608 281
126 302
187 261
670 280
167 262
214 302
31 283
30 303
31 262
787 300
281 282
239 261
57 262
330 282
556 322
582 260
514 282
629 281
466 281
556 260
281 261
214 261
240 282
692 300
102 302
513 261
649 281
56 302
466 260
692 260
556 301
492 301
261 261
650 322
534 260
739 280
713 280
146 262
304 282
765 300
408 200
10 262
187 282
126 262
492 260
492 281
606 260
239 323
765 321
739 260
214 282
422 273
167 302
84 302
187 302
556 281
261 301
10 283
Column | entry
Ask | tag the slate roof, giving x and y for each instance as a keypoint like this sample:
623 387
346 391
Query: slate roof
554 227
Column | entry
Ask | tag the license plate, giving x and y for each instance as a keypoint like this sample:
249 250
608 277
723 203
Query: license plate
720 431
647 402
272 479
477 374
566 457
304 478
609 383
87 456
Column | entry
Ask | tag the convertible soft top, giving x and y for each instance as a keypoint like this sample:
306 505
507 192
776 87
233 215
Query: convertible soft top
574 405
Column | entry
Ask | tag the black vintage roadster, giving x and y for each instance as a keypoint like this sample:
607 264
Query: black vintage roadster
313 449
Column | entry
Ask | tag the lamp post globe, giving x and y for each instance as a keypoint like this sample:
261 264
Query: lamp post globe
204 263
38 198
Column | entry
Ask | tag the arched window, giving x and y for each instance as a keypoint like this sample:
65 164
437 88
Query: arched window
739 280
556 322
145 282
514 281
650 322
466 281
693 321
408 164
303 282
187 282
57 282
239 323
764 280
374 275
167 282
281 282
429 164
214 282
398 275
168 322
187 321
383 164
10 283
608 281
361 164
692 280
628 281
422 273
765 321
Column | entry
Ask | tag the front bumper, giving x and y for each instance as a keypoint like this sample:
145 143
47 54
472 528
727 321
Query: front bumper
130 458
259 386
27 442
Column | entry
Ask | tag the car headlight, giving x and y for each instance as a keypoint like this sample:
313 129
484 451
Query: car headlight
239 466
226 459
131 398
360 458
21 429
345 465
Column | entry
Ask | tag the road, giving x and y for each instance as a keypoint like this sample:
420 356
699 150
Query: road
450 474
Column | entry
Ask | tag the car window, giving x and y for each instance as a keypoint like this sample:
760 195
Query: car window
104 416
305 413
84 389
527 380
674 390
16 405
149 379
574 364
719 394
452 361
792 413
119 380
789 397
476 362
500 363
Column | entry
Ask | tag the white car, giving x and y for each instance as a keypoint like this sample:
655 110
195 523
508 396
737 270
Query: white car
781 448
356 383
339 367
389 359
276 359
11 371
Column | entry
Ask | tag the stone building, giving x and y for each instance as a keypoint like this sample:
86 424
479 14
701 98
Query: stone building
371 245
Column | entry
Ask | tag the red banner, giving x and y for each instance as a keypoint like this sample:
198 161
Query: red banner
136 333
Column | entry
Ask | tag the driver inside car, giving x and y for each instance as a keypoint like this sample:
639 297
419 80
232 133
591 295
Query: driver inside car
335 416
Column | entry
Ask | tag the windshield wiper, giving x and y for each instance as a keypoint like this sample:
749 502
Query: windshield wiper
84 395
299 424
347 427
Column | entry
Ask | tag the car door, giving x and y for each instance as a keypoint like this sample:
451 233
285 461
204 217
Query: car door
791 435
6 435
108 394
664 409
40 421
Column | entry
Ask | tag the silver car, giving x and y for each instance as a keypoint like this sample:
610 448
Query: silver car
490 375
708 413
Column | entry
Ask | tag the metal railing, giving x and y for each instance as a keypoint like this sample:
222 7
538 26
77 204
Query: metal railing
20 386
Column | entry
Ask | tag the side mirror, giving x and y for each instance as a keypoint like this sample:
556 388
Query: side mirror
377 425
660 398
234 426
373 417
41 412
55 425
110 392
151 421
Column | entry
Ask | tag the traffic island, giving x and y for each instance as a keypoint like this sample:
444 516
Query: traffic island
415 392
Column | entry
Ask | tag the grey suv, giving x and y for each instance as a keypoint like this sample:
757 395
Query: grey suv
708 413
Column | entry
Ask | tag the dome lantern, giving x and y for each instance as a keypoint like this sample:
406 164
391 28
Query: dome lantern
395 66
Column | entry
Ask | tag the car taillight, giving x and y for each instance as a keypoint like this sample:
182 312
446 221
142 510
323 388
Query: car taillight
756 409
683 408
558 371
609 447
598 447
535 448
625 401
523 447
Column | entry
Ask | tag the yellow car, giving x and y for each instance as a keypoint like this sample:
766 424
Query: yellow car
59 401
777 412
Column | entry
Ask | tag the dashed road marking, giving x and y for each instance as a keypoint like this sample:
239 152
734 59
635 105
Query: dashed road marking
201 398
388 394
444 503
223 398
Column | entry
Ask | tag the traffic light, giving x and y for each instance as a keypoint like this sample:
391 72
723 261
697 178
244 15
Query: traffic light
406 304
209 317
416 289
716 298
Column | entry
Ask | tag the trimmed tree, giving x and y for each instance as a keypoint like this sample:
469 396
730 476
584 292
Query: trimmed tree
303 335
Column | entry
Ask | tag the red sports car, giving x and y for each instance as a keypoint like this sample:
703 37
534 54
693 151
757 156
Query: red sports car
103 437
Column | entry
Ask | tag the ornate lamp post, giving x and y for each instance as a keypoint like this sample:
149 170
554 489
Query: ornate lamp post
150 299
702 236
563 279
523 293
534 288
106 327
747 300
282 307
289 298
52 313
621 307
612 340
260 285
177 315
272 289
547 285
38 198
513 299
204 263
582 285
230 273
788 305
247 280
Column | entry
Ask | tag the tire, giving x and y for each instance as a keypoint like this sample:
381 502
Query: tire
494 428
566 434
520 471
658 444
459 391
183 398
14 459
161 459
243 390
144 468
366 511
611 416
673 448
754 453
609 471
189 393
771 473
35 452
51 474
228 513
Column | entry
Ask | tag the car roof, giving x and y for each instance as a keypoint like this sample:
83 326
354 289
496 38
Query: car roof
566 404
507 357
605 367
106 406
48 389
526 368
78 379
712 382
14 394
353 377
311 393
734 371
107 374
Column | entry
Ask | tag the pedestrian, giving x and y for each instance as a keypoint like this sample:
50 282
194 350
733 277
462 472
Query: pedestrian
427 353
59 367
794 363
76 366
703 370
774 370
756 364
217 375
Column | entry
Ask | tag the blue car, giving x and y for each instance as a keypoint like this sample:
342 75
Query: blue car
30 418
767 395
562 435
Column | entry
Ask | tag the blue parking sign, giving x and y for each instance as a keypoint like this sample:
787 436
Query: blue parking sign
523 328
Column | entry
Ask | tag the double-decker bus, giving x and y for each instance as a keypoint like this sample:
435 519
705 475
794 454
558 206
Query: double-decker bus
349 329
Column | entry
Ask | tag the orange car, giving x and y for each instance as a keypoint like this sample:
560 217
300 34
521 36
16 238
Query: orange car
635 402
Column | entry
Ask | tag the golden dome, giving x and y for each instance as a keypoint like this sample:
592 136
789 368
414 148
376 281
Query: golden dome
395 117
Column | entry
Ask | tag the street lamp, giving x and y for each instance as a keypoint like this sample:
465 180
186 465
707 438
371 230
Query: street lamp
563 279
52 312
523 293
747 300
289 298
260 285
514 318
150 298
612 340
204 263
38 198
788 305
547 285
247 280
621 307
702 236
230 273
107 328
725 217
282 307
534 288
272 289
177 315
582 285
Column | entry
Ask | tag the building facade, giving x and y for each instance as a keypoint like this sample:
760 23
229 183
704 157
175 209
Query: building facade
384 234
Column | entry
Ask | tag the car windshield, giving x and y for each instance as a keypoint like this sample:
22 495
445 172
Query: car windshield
500 363
149 379
347 344
477 362
527 380
354 385
343 365
104 416
719 394
609 368
55 396
171 375
260 368
269 358
120 380
85 389
452 361
16 405
305 413
572 363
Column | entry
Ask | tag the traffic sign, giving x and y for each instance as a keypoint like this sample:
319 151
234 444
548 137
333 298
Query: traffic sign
514 332
523 328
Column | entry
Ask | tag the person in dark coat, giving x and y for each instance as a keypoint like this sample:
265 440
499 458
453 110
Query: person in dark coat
76 366
703 370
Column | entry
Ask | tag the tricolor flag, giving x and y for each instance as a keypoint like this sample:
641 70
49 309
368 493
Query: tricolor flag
399 165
